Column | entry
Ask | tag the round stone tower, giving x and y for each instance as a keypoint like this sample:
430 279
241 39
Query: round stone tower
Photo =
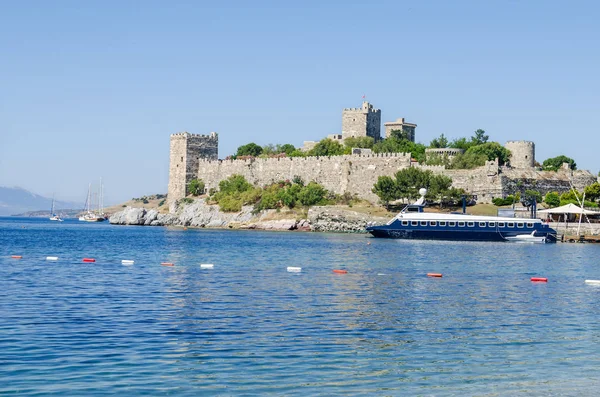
522 154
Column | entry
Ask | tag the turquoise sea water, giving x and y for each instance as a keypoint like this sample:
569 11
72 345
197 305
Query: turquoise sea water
248 327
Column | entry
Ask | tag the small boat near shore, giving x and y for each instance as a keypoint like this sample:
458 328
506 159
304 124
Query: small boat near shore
413 223
527 238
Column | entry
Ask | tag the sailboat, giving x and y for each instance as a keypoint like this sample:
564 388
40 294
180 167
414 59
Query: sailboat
53 216
91 216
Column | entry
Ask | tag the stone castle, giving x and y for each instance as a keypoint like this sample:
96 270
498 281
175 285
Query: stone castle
196 156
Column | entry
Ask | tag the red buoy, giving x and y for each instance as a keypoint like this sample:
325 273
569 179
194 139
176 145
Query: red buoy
167 264
89 260
434 274
339 271
539 279
17 256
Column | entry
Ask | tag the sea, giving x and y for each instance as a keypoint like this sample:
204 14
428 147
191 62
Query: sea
248 327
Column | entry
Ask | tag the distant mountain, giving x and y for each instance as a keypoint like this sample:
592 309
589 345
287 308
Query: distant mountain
16 200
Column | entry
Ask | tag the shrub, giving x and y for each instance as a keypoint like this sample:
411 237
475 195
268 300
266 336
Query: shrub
312 194
230 204
161 203
196 187
187 200
552 199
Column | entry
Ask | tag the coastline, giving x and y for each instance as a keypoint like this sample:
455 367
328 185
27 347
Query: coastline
199 214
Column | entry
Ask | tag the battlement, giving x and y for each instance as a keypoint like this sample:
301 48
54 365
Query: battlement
185 134
524 143
308 159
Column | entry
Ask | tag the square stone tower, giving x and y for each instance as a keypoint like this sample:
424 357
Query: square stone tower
185 153
400 125
363 121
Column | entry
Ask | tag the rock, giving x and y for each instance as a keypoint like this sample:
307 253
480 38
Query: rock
129 216
335 219
151 216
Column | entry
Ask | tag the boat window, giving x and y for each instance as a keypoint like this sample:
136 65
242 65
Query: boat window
500 224
451 224
470 224
520 224
432 223
530 225
492 224
461 224
414 223
511 224
442 223
423 223
404 223
481 224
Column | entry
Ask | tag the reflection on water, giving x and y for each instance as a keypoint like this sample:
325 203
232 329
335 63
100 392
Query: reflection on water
250 327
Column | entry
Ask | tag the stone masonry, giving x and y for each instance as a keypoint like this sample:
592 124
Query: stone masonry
401 125
185 153
195 156
360 122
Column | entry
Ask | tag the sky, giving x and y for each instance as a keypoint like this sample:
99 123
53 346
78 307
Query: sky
94 89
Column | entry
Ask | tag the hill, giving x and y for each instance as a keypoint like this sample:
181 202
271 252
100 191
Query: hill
16 200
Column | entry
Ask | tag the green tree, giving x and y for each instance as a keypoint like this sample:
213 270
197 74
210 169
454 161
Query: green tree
592 192
439 188
529 196
461 143
327 147
439 142
467 161
250 149
386 189
312 194
400 134
234 184
552 199
366 142
554 163
196 187
479 138
410 180
271 149
492 151
394 145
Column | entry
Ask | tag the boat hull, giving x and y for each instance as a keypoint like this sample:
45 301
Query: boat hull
453 235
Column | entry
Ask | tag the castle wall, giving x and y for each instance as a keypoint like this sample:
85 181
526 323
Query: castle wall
340 174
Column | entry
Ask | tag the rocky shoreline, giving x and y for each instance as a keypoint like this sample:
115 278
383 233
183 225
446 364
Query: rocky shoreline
202 215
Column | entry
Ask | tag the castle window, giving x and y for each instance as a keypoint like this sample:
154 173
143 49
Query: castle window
182 159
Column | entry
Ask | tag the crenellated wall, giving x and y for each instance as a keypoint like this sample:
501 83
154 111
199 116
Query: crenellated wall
350 173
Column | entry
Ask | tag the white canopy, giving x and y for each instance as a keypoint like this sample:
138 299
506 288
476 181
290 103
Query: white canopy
567 209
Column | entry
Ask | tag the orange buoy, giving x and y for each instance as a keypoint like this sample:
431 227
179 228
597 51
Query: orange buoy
434 274
167 264
17 256
340 271
539 279
89 260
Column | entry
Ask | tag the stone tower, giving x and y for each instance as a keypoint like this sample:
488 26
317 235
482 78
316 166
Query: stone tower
402 125
186 151
363 121
522 154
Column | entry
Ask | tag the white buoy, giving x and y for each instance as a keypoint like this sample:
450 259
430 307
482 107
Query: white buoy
293 269
207 266
592 282
52 258
127 262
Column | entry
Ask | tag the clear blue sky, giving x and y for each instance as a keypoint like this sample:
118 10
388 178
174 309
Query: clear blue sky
94 89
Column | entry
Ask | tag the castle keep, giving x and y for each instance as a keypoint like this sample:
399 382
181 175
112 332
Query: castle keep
196 156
